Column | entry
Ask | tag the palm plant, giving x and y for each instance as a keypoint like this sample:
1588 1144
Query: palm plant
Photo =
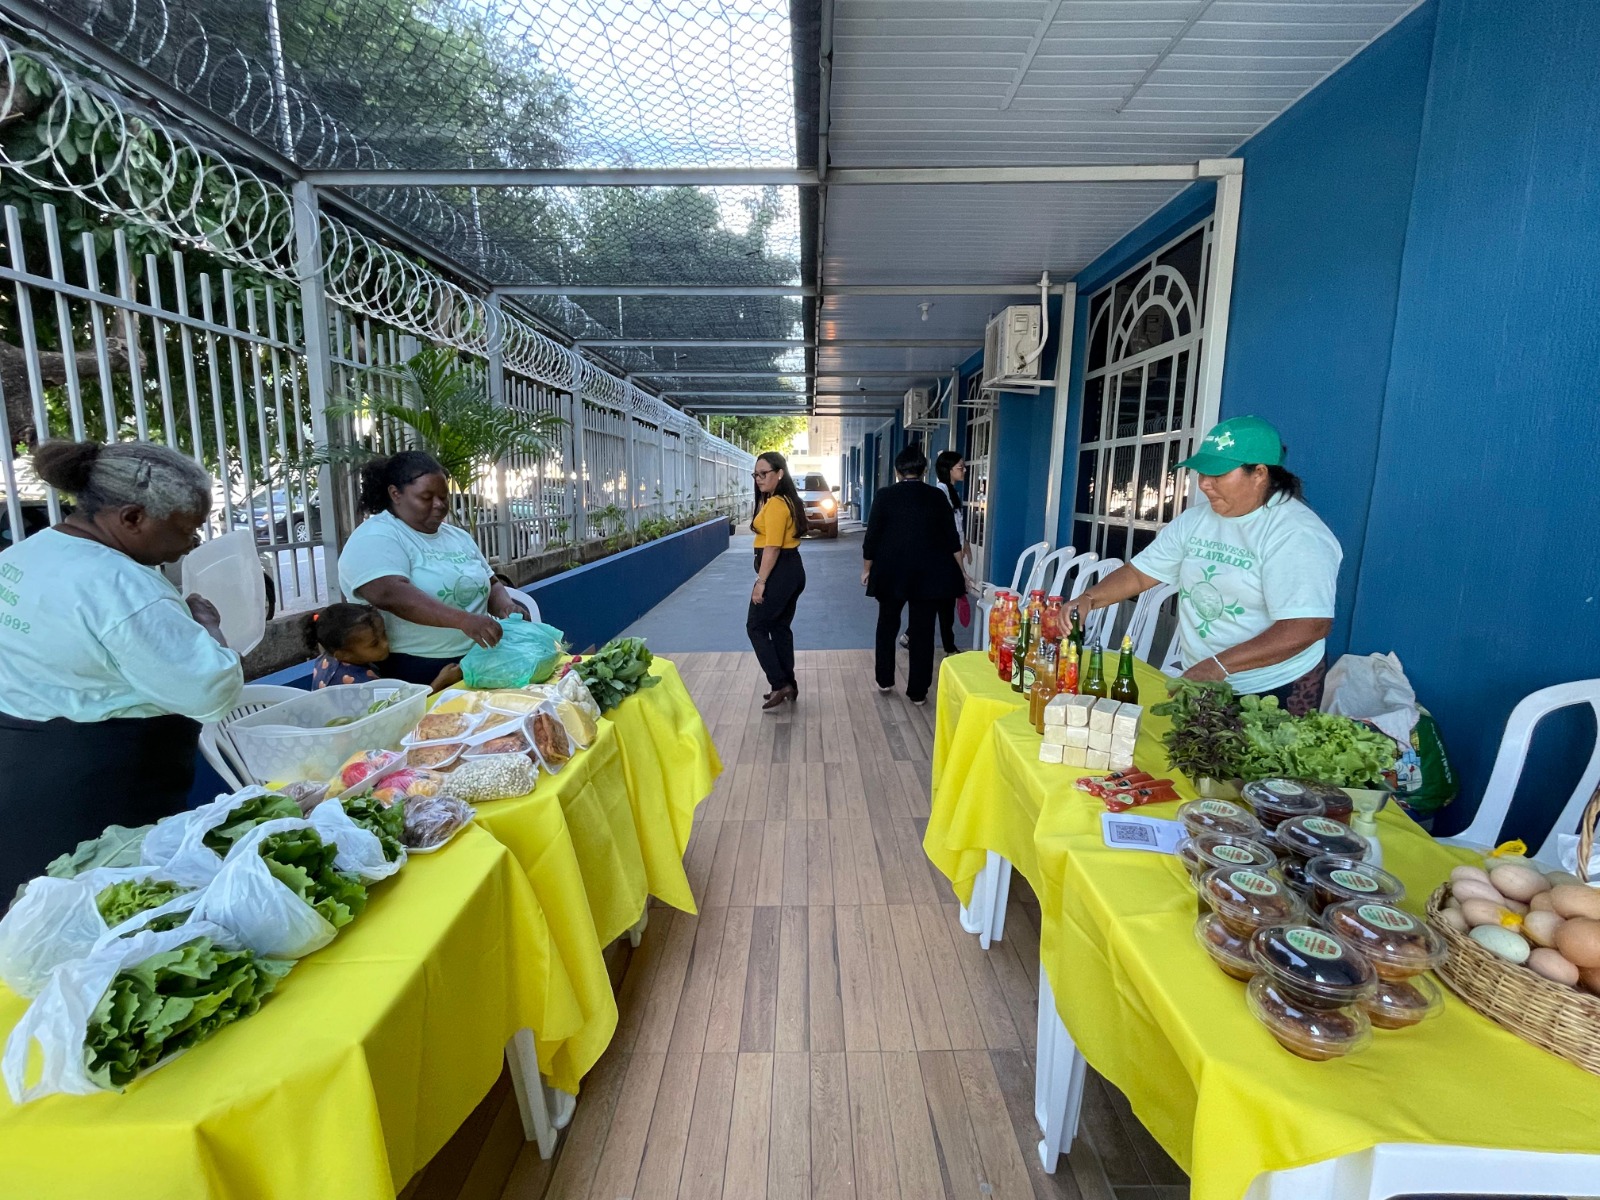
450 416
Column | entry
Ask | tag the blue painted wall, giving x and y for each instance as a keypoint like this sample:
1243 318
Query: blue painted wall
1480 564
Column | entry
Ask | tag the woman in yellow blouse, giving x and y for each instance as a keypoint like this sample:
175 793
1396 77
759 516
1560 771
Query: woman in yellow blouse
780 519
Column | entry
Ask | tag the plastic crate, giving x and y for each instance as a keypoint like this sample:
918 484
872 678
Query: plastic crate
293 740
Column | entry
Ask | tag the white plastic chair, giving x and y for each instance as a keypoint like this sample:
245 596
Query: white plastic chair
1096 622
1146 616
218 749
1056 570
525 602
1486 826
1026 562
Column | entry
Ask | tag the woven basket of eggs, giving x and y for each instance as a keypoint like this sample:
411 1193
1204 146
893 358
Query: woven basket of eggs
1525 948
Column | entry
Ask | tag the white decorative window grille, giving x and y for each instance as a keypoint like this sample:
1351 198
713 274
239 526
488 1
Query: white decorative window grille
1140 412
980 440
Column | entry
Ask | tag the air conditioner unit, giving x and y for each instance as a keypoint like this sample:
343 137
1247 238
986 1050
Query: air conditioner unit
917 412
1011 352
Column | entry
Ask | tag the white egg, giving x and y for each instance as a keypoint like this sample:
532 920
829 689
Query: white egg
1462 873
1540 927
1552 966
1502 942
1518 883
1474 889
1453 918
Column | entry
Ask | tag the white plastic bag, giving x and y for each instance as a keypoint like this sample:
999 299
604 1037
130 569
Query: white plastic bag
58 1021
1373 688
57 920
572 687
360 851
261 913
177 843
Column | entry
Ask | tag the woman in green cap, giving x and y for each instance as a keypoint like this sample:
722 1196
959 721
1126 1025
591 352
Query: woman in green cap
1256 571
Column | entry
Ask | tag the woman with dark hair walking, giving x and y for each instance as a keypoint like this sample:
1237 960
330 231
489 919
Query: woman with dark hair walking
950 469
911 556
779 520
437 593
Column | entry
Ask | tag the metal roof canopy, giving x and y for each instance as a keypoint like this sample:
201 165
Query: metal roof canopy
916 151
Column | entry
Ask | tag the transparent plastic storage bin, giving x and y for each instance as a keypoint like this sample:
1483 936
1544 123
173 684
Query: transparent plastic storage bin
292 740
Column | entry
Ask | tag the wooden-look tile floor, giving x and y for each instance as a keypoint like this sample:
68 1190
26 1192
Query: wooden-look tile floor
824 1027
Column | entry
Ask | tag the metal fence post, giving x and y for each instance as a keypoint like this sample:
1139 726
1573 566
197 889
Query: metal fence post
576 469
495 372
336 517
630 514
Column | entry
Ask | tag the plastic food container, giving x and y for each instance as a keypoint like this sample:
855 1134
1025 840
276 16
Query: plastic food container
293 740
443 727
1318 968
1317 1034
461 700
1398 944
1206 850
1227 949
1333 879
1218 816
558 747
1246 899
517 703
1311 837
1276 800
510 741
1401 1003
435 756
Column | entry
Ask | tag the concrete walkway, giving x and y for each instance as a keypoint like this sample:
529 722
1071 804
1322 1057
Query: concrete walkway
707 613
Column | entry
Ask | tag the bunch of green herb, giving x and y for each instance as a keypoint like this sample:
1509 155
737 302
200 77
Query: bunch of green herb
303 862
386 822
1319 746
118 846
169 1002
129 897
244 818
617 671
1207 737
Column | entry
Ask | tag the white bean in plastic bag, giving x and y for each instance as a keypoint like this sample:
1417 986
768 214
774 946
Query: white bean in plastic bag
58 1021
57 920
360 851
260 912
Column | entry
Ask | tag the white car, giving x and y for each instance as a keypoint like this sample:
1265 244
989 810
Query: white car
822 506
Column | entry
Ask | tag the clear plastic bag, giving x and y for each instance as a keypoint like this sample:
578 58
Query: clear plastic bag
497 777
360 851
527 652
177 843
258 911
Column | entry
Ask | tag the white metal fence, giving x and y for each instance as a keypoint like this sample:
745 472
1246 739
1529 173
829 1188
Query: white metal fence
177 312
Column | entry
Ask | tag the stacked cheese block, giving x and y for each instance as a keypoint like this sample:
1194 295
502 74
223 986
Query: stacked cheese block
1085 731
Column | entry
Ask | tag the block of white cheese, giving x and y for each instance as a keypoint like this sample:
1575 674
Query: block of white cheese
1126 722
1078 735
1121 745
1121 762
1051 752
1055 712
1100 739
1078 709
1055 735
1074 756
1103 714
1097 760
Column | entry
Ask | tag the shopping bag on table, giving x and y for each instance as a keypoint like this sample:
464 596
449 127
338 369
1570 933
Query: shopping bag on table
178 843
360 851
1374 688
528 652
261 912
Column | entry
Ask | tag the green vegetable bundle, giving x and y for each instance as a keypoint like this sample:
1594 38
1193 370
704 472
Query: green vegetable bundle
303 863
129 897
617 671
171 1001
1207 737
247 816
386 822
118 846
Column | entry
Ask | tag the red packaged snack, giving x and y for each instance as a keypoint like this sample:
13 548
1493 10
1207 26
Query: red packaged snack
1099 785
1122 801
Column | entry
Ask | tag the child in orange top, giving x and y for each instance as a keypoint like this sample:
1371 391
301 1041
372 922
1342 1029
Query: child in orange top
353 640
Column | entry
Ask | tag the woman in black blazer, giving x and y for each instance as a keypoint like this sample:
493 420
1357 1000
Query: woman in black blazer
912 556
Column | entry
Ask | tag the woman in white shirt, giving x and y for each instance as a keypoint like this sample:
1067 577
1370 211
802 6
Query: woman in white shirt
435 589
106 672
1256 571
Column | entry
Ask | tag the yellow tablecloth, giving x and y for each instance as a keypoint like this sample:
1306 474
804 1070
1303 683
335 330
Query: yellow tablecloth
350 1078
1151 1013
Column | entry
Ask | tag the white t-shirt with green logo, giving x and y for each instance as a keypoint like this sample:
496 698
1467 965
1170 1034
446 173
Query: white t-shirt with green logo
447 565
88 634
1238 575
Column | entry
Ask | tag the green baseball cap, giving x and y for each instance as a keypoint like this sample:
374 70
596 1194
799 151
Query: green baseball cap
1234 442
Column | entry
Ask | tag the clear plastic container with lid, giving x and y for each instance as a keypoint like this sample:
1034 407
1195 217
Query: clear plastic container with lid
1227 949
1317 1034
1401 1003
1207 849
1311 837
1276 800
1246 899
1218 816
1320 968
1398 944
1333 879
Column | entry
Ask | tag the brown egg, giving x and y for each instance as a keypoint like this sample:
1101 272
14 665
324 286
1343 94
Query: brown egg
1576 900
1579 942
1553 967
1464 873
1542 903
1473 889
1557 878
1518 883
1540 928
1589 979
1482 912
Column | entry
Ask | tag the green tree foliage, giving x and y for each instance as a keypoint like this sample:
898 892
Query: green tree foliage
760 433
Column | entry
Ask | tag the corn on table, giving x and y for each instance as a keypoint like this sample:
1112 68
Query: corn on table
1126 989
373 1050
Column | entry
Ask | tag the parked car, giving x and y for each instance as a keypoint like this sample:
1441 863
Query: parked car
275 519
822 506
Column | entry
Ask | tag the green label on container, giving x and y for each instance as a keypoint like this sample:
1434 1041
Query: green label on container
1254 884
1234 854
1384 917
1314 943
1220 808
1355 881
1283 787
1323 826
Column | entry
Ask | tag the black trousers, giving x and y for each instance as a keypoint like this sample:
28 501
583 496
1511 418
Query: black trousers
947 625
919 631
768 623
68 780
